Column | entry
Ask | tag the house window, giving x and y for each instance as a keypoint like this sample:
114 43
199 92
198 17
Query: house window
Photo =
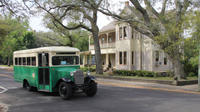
125 31
125 57
102 40
132 57
165 60
120 32
110 39
120 57
157 56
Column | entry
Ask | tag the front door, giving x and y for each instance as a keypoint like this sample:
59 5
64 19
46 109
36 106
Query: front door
43 75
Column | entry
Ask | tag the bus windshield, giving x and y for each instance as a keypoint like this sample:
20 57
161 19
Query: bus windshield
65 60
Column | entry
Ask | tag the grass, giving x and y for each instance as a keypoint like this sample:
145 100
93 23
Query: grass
145 78
6 66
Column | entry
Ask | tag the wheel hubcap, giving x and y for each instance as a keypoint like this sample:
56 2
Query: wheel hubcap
63 90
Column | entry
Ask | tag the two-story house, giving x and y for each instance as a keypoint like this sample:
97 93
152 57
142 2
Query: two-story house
124 48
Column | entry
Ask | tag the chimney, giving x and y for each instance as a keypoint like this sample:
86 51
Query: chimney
126 3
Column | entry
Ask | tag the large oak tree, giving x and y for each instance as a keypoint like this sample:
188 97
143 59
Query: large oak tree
81 12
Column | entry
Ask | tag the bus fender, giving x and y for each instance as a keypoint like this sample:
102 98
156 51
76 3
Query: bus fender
67 80
88 79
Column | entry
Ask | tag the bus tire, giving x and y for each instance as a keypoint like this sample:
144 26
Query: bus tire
65 90
27 86
92 89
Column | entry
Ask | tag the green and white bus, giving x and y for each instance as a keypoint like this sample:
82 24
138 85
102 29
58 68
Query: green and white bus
52 69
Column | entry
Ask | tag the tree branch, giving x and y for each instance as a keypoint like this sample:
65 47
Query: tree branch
148 4
58 21
142 10
163 7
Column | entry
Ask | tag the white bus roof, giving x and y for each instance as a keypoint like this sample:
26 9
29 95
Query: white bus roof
49 49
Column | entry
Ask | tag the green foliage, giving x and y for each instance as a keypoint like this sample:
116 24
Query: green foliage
91 69
75 38
191 46
140 73
14 36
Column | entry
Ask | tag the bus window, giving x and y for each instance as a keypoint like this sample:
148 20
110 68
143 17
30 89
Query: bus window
33 61
16 61
43 59
20 61
65 60
28 61
24 61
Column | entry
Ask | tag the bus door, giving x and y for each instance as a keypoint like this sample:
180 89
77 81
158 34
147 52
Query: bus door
43 75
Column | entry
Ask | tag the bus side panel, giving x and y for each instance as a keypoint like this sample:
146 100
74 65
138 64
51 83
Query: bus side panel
17 73
28 73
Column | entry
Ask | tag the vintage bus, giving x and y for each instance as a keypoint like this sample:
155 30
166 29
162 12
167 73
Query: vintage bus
52 69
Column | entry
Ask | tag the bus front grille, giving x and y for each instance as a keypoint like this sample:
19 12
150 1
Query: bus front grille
78 77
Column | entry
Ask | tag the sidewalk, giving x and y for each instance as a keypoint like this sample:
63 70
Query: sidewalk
146 85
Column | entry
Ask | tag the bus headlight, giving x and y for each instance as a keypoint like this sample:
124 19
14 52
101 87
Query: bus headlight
72 73
88 73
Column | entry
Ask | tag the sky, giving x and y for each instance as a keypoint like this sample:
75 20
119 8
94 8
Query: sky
37 24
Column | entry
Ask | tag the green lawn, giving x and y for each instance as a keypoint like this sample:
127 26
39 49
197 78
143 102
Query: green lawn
6 66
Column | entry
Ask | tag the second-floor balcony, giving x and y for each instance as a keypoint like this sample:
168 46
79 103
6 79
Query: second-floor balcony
104 45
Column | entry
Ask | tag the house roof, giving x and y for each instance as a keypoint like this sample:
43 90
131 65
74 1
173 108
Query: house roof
49 49
108 27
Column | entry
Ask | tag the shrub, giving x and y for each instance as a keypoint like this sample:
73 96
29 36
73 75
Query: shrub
192 74
138 73
91 69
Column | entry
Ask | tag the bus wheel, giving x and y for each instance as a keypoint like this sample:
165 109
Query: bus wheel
65 90
27 86
92 89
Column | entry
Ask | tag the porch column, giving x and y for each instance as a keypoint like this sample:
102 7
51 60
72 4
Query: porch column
84 60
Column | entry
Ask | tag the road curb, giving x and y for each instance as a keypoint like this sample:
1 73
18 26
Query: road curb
148 87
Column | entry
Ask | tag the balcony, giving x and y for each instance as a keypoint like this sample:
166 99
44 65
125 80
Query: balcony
104 45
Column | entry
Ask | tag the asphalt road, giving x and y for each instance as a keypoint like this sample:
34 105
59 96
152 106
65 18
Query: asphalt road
108 99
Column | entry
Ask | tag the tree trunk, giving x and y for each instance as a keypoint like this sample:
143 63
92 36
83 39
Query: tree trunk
99 68
178 69
8 63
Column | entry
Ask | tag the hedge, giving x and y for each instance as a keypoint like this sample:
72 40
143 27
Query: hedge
91 69
139 73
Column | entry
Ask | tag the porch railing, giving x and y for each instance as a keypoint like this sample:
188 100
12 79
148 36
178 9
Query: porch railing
104 45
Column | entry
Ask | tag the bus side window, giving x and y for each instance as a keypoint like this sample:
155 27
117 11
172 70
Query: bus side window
20 61
16 61
33 61
28 61
24 61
